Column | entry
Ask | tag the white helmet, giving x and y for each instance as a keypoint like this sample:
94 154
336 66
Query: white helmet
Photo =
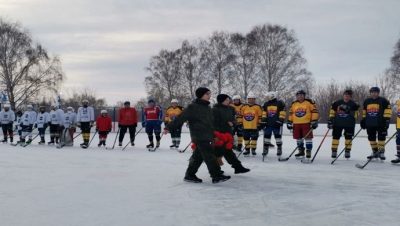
174 101
104 112
70 109
236 97
7 106
251 95
271 95
29 107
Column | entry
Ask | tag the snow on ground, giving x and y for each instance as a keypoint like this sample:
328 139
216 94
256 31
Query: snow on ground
42 185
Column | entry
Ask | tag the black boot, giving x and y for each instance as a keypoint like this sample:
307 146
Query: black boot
241 169
192 179
334 154
220 178
246 152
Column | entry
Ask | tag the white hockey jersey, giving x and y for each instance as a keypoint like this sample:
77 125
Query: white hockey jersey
28 118
69 119
7 117
85 114
57 117
42 119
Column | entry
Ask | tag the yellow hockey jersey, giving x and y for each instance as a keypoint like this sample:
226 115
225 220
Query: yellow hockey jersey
172 113
251 116
238 114
398 114
304 112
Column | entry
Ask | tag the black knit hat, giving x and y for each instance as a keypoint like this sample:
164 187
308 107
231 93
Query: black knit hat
222 97
201 91
127 103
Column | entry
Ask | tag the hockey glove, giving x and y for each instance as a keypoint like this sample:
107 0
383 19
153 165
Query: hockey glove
387 123
314 124
279 123
289 125
362 124
330 124
35 126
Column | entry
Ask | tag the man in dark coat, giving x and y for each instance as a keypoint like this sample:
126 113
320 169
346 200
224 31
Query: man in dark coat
199 116
224 121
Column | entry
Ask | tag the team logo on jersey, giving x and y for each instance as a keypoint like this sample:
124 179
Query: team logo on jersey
249 116
300 112
373 110
341 114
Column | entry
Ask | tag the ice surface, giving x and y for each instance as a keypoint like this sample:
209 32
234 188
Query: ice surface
43 185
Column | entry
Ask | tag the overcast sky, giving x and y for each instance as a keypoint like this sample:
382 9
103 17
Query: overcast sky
106 44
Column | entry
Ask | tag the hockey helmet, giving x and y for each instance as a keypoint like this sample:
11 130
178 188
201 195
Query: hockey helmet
236 97
104 112
375 89
301 92
174 101
251 95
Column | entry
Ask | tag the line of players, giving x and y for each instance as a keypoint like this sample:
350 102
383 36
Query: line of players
250 119
303 118
62 125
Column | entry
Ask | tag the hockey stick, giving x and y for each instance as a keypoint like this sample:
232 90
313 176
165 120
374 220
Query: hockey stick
26 144
337 157
130 141
185 147
287 158
115 140
77 135
369 160
319 147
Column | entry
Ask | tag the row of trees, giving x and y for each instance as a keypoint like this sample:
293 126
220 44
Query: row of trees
267 58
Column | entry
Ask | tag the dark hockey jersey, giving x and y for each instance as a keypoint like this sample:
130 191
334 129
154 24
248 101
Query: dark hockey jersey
344 114
376 111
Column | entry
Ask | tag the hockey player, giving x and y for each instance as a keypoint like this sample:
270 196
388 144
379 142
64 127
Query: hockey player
7 118
85 120
152 120
127 120
251 117
42 121
56 124
18 126
200 119
398 133
67 135
274 115
172 112
103 126
303 118
238 127
28 119
224 121
376 119
342 117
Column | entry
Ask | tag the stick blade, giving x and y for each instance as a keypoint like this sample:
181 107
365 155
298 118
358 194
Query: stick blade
359 166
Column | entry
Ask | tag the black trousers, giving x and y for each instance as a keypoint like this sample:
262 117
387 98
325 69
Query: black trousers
229 156
338 131
204 152
7 130
123 129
